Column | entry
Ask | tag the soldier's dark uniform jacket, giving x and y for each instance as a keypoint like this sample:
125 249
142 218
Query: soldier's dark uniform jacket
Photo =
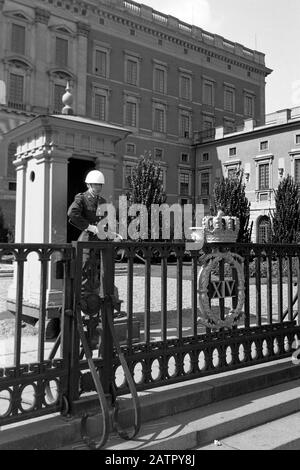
83 211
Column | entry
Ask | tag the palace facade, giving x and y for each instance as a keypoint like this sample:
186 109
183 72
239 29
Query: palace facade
265 153
168 82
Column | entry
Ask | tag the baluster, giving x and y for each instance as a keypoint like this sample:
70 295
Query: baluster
279 289
258 289
44 258
129 298
269 289
108 265
164 278
194 291
147 296
179 294
21 258
290 288
67 320
221 300
247 291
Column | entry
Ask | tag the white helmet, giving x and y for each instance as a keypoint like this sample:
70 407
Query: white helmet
95 177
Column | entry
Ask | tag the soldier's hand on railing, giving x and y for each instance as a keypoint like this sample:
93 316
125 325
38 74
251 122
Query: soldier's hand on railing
93 229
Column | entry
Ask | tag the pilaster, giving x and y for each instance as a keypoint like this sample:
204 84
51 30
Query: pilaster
41 97
83 30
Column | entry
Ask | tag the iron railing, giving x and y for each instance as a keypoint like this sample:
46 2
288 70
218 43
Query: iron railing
161 337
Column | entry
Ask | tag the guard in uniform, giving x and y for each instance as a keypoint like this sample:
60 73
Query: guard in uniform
83 211
83 214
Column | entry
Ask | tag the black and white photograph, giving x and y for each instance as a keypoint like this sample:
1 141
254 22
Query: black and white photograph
149 228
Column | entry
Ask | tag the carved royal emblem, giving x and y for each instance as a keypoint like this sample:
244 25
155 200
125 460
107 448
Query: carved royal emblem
210 287
211 283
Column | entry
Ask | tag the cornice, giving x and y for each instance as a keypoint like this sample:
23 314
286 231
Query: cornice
183 37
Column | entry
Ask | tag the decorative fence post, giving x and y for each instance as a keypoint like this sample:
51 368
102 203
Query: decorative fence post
107 267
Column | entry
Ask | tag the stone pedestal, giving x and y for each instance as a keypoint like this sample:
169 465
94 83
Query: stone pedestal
122 330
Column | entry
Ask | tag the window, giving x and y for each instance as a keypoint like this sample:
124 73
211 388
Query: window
61 52
158 153
127 175
59 91
228 126
185 87
12 186
100 106
232 151
18 39
204 183
132 72
297 139
159 119
249 105
101 63
205 157
159 80
229 100
16 91
231 173
208 122
130 149
131 114
208 93
297 171
185 158
264 145
264 176
263 230
184 184
184 125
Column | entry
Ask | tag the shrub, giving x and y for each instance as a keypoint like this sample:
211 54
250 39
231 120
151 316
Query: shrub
286 215
230 197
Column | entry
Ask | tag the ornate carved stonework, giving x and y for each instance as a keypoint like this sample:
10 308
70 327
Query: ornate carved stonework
221 288
42 16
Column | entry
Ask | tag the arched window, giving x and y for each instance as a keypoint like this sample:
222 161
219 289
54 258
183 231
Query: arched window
264 230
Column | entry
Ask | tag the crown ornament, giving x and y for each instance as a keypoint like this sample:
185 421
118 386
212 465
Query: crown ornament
217 229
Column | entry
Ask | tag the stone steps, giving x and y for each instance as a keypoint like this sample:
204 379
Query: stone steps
280 434
182 415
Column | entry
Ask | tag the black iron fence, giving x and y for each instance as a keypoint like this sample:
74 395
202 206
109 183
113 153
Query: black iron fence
153 295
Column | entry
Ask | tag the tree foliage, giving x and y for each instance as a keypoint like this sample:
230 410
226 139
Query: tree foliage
145 183
286 215
230 197
146 188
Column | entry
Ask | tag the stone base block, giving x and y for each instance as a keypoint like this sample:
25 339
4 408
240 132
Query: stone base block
122 330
